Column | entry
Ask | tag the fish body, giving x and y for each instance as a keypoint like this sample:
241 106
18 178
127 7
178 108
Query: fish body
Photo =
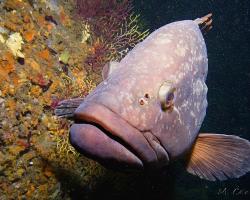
149 108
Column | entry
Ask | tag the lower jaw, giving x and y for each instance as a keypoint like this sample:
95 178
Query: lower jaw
95 144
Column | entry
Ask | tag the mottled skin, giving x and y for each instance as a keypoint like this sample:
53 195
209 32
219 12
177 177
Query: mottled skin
121 123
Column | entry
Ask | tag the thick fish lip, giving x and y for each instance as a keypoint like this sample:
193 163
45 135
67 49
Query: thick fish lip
95 144
103 135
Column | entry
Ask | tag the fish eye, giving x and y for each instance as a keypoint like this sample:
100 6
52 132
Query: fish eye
167 95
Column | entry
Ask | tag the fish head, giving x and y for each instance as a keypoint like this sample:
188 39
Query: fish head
148 111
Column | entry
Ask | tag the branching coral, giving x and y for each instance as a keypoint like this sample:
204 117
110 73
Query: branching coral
92 9
64 147
125 38
115 27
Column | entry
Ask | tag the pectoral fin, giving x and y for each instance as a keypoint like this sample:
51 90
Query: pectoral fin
66 108
217 156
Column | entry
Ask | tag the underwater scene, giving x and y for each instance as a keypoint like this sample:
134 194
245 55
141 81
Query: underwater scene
124 99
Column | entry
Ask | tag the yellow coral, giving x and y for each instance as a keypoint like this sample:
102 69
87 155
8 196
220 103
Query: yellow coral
33 64
85 33
2 40
14 43
89 84
35 91
64 147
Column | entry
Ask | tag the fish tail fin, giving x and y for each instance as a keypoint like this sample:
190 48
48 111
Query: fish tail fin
219 157
66 108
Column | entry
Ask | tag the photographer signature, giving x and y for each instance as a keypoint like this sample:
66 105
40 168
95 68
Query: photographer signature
236 191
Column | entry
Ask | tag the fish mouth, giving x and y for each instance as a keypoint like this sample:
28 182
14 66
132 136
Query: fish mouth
102 135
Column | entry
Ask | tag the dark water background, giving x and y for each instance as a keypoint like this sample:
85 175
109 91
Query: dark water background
228 100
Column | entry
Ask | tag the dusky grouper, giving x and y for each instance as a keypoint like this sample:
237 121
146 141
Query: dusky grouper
149 108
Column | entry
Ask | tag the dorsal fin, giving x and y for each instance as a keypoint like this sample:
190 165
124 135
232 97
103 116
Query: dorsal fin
218 156
205 23
109 68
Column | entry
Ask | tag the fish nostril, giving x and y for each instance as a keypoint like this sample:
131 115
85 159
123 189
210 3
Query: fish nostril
144 99
146 96
141 101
